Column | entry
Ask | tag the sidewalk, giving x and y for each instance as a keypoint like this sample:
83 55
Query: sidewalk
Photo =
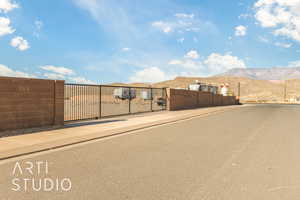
86 131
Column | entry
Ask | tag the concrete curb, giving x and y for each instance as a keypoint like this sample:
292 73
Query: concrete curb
25 150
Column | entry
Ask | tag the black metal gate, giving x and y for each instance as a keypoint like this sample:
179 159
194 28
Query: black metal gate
84 102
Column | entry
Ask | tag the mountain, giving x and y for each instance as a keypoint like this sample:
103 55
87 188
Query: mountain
276 73
251 90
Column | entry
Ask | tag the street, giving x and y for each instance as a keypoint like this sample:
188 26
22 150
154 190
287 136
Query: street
242 154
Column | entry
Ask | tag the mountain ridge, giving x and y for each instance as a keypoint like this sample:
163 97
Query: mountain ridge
274 73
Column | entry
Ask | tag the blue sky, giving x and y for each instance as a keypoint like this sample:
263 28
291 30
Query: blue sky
104 41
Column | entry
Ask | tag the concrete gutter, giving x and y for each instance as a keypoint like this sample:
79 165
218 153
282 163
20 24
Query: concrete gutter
15 146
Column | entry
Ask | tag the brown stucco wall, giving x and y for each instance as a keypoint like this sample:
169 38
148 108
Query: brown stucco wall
28 103
179 99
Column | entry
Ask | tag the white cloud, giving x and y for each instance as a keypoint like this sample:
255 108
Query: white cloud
58 70
63 73
19 43
244 16
240 30
126 49
281 15
7 5
6 71
54 76
184 15
5 27
217 63
187 64
263 39
150 74
283 45
183 23
175 62
192 54
294 64
163 26
81 80
113 17
191 65
214 64
278 44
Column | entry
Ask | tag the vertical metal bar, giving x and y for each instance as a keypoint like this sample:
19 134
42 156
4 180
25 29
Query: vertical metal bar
151 97
77 102
80 100
100 101
68 107
85 102
70 102
91 102
65 106
129 100
95 112
71 107
162 96
73 101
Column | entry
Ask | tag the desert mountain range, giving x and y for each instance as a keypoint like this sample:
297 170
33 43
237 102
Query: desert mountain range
275 73
256 84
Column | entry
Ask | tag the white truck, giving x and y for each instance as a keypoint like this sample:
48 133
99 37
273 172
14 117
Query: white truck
203 87
146 95
125 93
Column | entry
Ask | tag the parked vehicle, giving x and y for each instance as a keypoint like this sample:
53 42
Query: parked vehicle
146 95
125 93
161 101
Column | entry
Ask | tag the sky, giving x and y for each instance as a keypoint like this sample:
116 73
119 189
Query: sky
106 41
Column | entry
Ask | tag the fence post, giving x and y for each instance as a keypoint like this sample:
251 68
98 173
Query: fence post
100 101
151 105
129 100
165 98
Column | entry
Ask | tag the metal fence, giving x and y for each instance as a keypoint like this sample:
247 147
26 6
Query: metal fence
83 102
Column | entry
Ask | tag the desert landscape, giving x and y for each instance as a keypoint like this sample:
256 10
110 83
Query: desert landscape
256 85
250 90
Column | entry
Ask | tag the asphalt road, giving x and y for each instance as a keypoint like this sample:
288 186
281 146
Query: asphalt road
243 154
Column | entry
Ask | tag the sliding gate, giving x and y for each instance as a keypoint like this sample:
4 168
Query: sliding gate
84 102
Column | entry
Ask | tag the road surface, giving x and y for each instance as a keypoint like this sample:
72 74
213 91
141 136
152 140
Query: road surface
244 154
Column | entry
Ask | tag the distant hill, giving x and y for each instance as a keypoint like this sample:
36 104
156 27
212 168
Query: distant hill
276 73
251 89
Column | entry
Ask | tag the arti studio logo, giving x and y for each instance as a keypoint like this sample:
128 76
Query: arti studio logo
34 176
